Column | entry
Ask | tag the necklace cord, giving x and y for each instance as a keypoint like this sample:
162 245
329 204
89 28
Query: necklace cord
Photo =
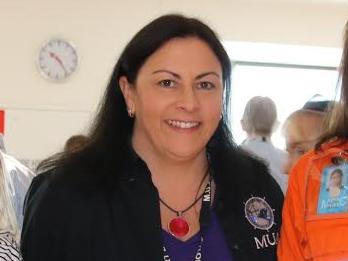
180 212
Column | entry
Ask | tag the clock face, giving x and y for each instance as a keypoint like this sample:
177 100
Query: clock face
58 59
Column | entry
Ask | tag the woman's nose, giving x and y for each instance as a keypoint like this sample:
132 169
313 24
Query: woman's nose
188 99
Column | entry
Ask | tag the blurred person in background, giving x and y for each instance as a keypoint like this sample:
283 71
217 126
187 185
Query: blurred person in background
259 122
75 143
15 179
303 128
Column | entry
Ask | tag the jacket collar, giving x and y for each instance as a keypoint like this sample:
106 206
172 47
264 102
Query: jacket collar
134 167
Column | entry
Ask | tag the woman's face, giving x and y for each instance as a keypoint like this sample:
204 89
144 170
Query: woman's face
336 179
301 135
177 99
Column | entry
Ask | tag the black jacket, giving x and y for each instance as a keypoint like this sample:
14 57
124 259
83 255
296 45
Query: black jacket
75 217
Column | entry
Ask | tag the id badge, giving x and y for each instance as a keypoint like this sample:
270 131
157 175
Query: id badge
333 195
327 185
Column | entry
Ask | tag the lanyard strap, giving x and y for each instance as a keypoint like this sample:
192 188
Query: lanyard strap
204 221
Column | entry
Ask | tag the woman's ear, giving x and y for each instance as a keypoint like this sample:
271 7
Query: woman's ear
128 92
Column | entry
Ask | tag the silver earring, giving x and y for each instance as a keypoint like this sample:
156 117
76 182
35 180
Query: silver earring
130 113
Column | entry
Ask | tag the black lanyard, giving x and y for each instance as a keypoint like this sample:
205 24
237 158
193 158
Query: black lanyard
204 220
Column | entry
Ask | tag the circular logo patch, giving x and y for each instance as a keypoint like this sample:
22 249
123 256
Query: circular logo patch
259 213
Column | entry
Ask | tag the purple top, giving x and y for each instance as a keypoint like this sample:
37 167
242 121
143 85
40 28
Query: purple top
214 246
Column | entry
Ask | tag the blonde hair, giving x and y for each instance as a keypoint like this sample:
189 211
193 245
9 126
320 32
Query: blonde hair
315 119
260 116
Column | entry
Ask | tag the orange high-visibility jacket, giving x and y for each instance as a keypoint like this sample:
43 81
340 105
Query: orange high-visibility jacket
315 224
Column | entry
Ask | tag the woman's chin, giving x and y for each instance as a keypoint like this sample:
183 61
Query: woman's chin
182 154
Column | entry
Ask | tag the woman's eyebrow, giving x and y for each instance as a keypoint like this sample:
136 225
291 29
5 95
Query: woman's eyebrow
197 77
208 73
166 71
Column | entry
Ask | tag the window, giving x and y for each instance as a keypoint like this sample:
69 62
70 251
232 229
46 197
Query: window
270 70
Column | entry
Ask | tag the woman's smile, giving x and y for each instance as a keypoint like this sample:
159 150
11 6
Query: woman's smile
183 124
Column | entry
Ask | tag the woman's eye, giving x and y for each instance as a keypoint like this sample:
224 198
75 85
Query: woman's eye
167 83
206 85
300 151
296 151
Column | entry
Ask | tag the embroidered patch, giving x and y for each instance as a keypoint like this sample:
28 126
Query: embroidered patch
259 213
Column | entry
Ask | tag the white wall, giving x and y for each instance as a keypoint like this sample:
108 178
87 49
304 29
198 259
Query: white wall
41 115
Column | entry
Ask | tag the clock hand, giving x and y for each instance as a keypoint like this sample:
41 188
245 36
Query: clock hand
55 57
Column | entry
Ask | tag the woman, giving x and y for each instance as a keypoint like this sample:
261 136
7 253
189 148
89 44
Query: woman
259 122
302 130
160 178
315 224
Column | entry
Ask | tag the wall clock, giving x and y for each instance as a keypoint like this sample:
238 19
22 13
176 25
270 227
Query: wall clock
57 59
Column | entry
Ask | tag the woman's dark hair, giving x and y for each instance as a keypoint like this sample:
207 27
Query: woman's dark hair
336 171
112 129
337 122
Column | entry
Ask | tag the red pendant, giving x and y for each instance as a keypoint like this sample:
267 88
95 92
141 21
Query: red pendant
178 227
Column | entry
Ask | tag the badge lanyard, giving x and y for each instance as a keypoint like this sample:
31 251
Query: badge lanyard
204 221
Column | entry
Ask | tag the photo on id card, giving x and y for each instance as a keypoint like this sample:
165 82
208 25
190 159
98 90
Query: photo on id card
333 197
